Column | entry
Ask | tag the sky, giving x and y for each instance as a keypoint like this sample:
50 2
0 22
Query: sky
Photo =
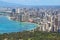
34 2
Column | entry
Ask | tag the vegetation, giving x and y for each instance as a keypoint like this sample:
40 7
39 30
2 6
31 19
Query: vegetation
26 35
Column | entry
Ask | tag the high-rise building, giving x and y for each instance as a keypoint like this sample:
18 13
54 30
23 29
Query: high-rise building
18 10
13 10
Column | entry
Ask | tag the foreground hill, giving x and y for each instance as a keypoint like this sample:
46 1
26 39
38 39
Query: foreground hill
36 35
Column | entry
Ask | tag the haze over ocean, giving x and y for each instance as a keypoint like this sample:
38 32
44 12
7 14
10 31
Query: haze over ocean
34 2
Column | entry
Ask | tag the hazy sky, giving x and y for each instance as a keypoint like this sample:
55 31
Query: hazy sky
34 2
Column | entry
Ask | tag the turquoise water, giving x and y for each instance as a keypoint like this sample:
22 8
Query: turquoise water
8 26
